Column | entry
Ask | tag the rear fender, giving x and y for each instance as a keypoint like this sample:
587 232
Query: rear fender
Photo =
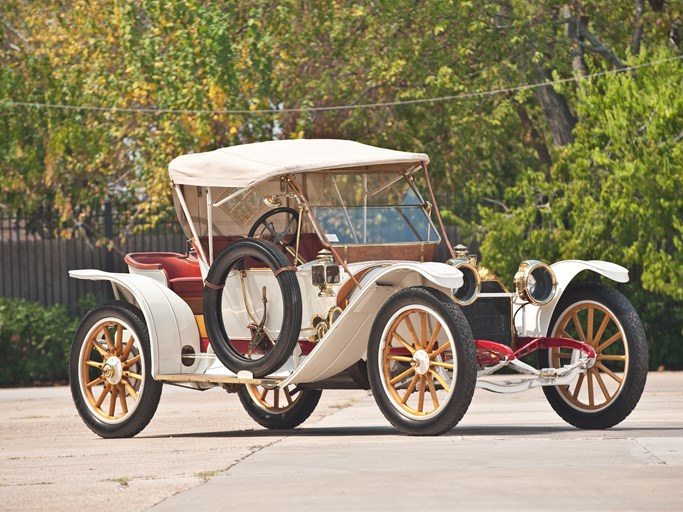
536 319
169 319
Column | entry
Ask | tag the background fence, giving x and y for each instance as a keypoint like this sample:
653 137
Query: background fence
34 261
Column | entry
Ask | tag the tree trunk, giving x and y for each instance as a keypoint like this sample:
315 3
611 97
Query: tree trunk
574 21
637 27
555 108
535 138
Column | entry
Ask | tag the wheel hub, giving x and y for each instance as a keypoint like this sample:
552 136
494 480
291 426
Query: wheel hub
420 362
112 370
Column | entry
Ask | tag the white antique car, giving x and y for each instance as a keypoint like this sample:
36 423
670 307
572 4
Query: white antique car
312 268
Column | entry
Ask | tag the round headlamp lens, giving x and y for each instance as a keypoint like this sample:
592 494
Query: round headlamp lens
541 284
471 283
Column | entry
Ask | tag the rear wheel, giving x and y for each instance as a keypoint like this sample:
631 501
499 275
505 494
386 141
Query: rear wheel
110 371
422 361
279 408
609 391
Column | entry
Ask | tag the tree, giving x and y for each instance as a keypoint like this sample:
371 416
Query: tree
186 55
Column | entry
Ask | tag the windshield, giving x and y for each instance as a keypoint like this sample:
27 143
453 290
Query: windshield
368 208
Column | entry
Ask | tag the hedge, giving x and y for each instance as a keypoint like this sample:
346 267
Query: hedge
34 343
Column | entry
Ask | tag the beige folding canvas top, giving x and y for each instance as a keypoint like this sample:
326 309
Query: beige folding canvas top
245 165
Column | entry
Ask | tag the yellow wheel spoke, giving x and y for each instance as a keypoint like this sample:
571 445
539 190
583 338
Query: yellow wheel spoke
565 355
605 357
276 398
601 383
577 325
119 339
608 342
112 401
410 389
404 359
609 372
263 394
440 350
288 396
421 395
402 376
432 391
448 366
110 342
445 386
423 325
413 333
122 399
132 375
95 382
131 362
95 364
128 348
103 395
589 378
601 330
403 342
589 327
579 383
432 340
129 388
99 349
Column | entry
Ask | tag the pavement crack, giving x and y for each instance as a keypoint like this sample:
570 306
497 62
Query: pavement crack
254 450
658 460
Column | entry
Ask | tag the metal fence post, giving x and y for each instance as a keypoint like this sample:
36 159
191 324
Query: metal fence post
109 234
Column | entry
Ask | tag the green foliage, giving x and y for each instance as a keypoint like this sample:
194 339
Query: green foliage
614 194
185 55
498 169
34 343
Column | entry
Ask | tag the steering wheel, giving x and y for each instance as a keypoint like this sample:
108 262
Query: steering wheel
267 231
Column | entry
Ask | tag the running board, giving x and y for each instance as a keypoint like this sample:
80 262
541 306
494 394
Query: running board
242 377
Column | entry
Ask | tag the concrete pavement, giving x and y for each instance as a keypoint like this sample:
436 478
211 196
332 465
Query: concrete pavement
202 451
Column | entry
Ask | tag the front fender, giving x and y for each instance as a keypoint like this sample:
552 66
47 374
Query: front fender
536 319
169 319
346 341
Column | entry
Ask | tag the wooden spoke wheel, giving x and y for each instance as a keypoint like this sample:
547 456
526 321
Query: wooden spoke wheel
421 361
110 374
608 391
279 408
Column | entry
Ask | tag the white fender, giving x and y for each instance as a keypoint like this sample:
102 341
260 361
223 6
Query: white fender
169 319
536 319
347 340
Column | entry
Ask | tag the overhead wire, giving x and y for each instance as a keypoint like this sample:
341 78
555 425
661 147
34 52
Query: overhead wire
359 106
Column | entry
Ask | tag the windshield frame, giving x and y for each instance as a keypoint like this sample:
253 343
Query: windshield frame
430 235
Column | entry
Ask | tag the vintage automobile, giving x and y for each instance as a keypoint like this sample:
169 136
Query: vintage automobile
311 266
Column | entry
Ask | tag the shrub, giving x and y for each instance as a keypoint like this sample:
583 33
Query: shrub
34 342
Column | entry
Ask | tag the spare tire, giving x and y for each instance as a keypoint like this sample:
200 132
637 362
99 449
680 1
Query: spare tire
265 353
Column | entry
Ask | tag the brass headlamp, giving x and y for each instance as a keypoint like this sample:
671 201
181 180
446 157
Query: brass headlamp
471 286
535 282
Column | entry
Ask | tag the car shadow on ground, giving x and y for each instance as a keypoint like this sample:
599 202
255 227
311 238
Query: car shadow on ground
469 431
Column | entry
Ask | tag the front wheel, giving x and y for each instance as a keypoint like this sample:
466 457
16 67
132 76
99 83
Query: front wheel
277 408
607 393
110 371
422 361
